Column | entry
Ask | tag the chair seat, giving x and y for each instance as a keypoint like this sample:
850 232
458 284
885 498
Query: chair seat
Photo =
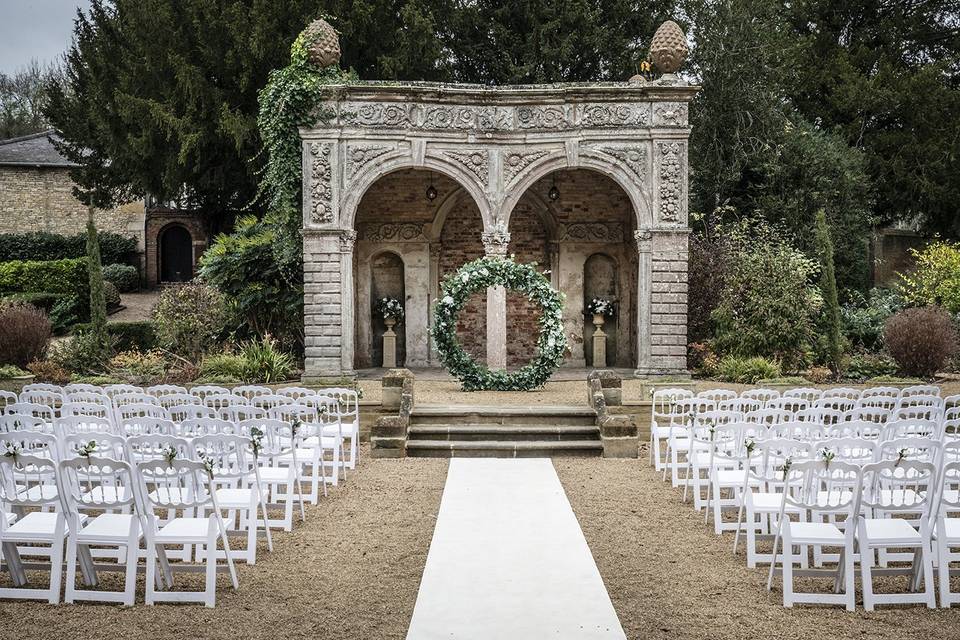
951 526
234 498
734 478
815 533
107 526
9 517
184 530
274 474
890 531
766 502
663 432
36 526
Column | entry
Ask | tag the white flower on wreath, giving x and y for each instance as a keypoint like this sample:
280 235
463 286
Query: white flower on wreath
447 300
465 276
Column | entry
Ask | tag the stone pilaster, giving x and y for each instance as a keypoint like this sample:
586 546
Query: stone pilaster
495 244
662 293
327 303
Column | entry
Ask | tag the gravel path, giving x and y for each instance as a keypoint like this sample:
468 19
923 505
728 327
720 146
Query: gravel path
669 576
351 571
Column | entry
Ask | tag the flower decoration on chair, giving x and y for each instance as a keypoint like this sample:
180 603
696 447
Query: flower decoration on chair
390 308
601 307
475 277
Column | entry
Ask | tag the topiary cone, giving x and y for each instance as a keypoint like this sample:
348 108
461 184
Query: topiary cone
323 43
669 49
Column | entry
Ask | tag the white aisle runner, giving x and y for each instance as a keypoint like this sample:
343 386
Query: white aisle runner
509 561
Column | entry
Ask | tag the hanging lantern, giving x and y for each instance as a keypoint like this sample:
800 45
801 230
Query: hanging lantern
554 193
431 193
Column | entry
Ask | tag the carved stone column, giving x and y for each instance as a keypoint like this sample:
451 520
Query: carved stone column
348 239
434 294
644 239
495 244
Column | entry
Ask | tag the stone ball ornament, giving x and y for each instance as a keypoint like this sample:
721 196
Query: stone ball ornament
669 49
322 43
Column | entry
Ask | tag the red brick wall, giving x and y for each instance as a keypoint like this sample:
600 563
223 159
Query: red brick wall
586 196
460 243
528 242
401 197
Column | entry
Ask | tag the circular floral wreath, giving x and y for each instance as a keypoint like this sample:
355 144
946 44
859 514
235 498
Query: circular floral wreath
523 278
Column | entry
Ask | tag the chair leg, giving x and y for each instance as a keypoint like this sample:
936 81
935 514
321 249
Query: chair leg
150 582
849 576
133 553
71 579
927 568
56 569
943 569
787 564
210 583
866 573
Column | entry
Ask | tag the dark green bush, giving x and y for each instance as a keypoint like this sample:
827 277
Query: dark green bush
43 301
870 365
111 296
864 316
41 245
84 353
124 277
45 276
190 319
747 370
128 336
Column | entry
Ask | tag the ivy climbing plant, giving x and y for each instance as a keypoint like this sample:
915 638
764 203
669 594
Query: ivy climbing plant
291 99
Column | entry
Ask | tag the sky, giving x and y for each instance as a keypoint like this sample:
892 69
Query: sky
38 29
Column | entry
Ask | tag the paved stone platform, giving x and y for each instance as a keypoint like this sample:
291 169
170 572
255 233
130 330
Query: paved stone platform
508 560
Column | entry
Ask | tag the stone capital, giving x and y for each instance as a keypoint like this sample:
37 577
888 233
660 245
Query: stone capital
348 237
644 238
496 241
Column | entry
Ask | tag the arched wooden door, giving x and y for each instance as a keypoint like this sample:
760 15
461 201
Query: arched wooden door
176 254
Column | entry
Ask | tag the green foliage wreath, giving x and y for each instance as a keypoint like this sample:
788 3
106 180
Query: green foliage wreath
477 276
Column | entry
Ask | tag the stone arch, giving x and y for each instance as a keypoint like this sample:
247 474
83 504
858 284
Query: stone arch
590 160
358 186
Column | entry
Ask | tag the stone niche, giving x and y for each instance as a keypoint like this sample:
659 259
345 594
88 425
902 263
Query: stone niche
404 184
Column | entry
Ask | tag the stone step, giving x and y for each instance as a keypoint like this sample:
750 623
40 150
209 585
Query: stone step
503 433
502 415
496 449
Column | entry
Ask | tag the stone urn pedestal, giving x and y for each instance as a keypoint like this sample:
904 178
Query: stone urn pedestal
389 344
599 342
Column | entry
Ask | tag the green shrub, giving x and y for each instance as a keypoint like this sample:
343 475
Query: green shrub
128 336
43 301
768 304
124 277
264 362
832 338
747 370
864 317
137 367
12 371
67 312
110 295
223 365
41 245
50 276
49 372
24 333
190 319
922 340
870 365
224 380
82 354
936 278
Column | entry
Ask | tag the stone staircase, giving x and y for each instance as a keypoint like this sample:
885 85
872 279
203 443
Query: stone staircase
439 431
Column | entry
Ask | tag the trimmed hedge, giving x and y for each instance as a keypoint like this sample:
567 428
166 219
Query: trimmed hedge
41 245
45 276
128 336
123 276
43 301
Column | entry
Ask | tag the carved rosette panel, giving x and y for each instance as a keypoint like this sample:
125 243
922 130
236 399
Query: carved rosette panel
515 162
670 180
670 114
394 232
605 232
463 117
475 161
598 116
359 156
373 114
634 157
321 179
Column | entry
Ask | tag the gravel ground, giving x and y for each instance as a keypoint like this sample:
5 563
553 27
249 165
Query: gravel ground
351 571
669 576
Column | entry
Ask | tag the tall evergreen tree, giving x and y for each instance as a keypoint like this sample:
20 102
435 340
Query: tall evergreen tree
828 287
98 303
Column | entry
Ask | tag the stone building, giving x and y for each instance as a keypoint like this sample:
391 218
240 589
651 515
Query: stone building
404 184
36 195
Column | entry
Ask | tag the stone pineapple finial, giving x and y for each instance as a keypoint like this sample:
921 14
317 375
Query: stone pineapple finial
323 42
669 50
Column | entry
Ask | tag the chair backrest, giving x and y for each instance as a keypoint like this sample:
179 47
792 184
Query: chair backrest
241 413
270 401
112 390
719 417
820 415
52 399
663 401
715 395
102 444
41 411
33 443
789 403
920 390
6 397
90 397
82 424
861 429
28 481
295 412
276 436
147 425
173 484
295 392
206 426
893 486
769 416
250 391
917 412
917 449
806 393
181 412
41 386
769 457
15 422
174 399
949 488
132 411
841 392
79 475
220 400
348 400
883 402
836 403
160 390
829 487
85 409
82 387
230 455
880 392
849 449
951 401
125 398
878 415
157 446
760 394
203 390
909 428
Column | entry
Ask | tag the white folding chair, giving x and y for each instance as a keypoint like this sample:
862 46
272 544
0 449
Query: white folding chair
218 401
182 485
182 412
909 428
146 425
241 413
88 409
251 391
809 394
196 427
14 422
880 392
296 392
160 390
83 424
42 411
41 386
715 395
203 390
831 489
81 387
174 399
947 530
52 399
278 465
115 526
763 396
891 488
348 410
920 390
661 413
113 390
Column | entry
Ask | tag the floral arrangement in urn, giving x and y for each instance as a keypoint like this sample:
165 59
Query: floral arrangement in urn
600 307
390 309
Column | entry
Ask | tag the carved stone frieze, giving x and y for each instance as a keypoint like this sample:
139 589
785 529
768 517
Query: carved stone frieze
670 114
360 155
321 190
634 157
473 160
394 232
605 232
614 115
516 162
375 114
670 168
